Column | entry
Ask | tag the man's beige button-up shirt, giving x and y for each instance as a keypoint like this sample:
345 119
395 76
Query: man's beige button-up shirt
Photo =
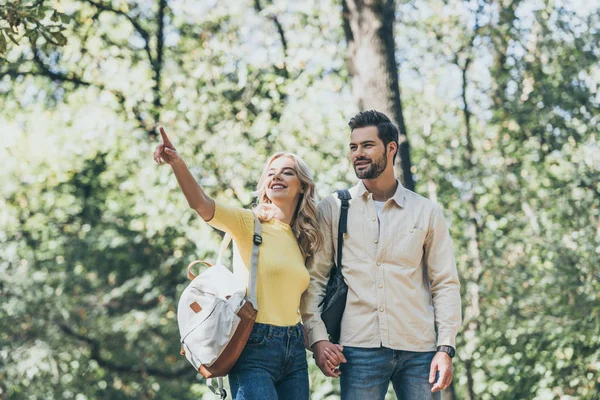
401 274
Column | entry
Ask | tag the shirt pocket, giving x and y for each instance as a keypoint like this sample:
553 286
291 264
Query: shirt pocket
408 246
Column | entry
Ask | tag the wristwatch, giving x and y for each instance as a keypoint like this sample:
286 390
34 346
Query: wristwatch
447 349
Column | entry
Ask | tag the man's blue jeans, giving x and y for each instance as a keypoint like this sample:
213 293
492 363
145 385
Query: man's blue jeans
368 372
272 366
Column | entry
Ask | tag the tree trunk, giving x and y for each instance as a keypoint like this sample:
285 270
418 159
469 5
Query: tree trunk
474 231
369 29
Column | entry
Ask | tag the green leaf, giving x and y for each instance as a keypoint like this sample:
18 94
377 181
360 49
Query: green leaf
2 42
33 36
11 37
60 39
40 12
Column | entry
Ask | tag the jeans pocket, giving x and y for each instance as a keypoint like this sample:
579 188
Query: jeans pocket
256 341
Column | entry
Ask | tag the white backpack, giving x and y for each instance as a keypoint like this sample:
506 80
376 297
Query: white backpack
215 316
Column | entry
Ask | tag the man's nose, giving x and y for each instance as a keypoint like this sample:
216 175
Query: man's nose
358 153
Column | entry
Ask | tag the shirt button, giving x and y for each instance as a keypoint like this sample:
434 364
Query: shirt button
373 219
381 286
378 263
380 309
412 230
375 241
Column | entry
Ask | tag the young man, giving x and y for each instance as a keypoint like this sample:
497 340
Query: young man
401 275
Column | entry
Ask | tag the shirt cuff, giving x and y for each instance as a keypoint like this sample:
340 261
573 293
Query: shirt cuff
316 333
446 340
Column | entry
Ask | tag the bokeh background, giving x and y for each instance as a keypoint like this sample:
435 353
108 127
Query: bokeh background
498 100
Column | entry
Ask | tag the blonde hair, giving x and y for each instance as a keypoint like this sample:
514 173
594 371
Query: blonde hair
304 222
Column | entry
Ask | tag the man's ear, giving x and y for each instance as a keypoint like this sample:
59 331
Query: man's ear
393 148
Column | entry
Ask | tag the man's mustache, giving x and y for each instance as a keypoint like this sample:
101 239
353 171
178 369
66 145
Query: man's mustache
362 159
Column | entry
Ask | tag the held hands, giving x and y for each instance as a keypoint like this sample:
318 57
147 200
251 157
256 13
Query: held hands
165 152
328 357
443 363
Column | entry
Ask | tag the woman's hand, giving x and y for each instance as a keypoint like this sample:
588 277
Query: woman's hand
165 152
195 196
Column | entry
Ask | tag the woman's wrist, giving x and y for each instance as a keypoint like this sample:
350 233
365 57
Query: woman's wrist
178 163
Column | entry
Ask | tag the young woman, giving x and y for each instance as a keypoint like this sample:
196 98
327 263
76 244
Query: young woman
273 364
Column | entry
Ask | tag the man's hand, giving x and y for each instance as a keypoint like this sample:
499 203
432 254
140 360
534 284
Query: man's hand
443 363
328 357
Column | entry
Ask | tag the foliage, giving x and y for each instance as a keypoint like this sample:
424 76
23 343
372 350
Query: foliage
31 19
95 238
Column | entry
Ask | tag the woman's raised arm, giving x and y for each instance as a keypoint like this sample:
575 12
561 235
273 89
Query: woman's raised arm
196 198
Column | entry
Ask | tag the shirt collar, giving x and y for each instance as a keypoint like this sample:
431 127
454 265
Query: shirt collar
399 196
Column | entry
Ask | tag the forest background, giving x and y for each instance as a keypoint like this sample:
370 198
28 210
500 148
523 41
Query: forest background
498 100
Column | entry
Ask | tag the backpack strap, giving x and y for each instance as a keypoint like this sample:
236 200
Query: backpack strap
224 245
256 241
344 196
191 275
217 387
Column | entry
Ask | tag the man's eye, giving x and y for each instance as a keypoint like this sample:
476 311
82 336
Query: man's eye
289 173
270 175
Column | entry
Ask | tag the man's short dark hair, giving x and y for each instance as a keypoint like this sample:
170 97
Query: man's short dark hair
386 130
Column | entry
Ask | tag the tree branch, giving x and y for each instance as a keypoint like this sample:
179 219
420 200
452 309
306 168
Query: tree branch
158 64
280 31
143 33
48 74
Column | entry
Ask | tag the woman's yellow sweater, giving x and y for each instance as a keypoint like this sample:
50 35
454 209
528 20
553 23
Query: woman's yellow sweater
282 275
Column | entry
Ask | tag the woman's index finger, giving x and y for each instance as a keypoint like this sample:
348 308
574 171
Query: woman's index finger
164 136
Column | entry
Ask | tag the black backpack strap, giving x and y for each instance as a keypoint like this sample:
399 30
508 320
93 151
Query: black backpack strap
344 196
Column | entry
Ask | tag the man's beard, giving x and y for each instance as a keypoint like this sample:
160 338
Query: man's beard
374 169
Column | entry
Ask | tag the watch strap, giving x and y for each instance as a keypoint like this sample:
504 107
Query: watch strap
447 349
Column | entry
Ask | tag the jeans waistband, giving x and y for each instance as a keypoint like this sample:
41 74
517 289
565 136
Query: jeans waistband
278 331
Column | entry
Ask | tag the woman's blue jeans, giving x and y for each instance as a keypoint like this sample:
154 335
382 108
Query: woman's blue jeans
272 366
368 372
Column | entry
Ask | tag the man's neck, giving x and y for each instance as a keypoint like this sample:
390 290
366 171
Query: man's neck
383 187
